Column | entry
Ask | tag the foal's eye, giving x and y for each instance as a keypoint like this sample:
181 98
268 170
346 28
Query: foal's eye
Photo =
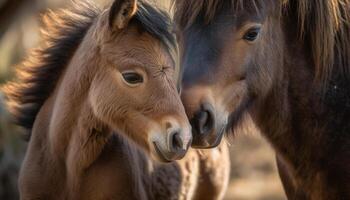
132 78
252 34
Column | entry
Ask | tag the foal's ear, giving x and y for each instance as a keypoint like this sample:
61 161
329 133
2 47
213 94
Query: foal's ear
121 12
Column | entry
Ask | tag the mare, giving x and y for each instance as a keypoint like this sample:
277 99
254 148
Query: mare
282 63
100 104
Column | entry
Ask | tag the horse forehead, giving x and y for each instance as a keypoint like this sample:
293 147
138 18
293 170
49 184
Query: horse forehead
147 54
143 48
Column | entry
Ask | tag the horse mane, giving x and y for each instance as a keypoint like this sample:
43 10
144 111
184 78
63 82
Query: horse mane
326 24
186 11
38 74
157 23
63 31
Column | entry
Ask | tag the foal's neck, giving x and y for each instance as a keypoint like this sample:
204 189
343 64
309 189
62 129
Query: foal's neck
74 137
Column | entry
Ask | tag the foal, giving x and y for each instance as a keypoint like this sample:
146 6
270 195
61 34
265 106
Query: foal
114 61
103 86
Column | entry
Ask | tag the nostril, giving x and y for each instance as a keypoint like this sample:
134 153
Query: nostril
209 124
177 142
203 122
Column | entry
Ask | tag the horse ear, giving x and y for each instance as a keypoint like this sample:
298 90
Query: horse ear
121 12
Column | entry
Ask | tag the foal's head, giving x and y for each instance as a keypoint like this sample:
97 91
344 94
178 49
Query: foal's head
122 60
228 56
134 85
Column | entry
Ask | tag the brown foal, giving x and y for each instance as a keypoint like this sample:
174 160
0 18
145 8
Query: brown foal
99 101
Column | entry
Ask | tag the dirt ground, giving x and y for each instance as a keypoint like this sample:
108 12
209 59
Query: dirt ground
254 174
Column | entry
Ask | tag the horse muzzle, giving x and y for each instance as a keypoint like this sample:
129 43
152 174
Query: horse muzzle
208 127
173 145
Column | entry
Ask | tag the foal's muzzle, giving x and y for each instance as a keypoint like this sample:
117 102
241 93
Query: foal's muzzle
174 144
207 128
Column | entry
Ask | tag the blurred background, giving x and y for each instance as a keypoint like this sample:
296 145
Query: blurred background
253 173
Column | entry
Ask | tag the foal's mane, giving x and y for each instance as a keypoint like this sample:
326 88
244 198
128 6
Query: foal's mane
325 24
63 32
38 74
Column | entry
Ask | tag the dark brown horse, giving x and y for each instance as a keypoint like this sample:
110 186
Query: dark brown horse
284 63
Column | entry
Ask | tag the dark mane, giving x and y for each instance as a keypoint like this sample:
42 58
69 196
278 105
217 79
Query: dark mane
37 76
157 23
186 11
325 23
63 32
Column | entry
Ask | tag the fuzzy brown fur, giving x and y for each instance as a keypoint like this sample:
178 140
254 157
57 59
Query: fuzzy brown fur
293 81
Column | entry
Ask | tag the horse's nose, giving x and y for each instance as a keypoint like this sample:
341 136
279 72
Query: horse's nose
173 143
178 142
203 122
207 129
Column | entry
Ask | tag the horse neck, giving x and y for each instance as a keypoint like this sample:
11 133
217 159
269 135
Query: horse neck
305 128
73 137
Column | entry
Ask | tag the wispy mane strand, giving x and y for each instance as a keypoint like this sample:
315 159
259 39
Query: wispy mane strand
38 75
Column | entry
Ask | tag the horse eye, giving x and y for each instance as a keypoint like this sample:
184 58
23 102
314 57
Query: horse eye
252 34
132 78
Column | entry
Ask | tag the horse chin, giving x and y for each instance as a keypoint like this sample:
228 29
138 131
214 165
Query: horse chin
159 155
209 142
